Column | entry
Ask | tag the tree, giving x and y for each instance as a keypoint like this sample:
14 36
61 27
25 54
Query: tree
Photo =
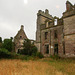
7 44
0 42
0 39
29 49
0 45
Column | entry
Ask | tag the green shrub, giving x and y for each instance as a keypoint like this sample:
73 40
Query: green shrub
0 45
34 51
29 48
40 55
4 53
7 44
54 56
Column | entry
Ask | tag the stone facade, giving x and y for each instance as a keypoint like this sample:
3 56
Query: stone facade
56 36
69 29
19 39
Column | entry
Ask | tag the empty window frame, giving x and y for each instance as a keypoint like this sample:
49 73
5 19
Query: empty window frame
46 35
55 34
46 24
55 21
20 37
47 49
55 49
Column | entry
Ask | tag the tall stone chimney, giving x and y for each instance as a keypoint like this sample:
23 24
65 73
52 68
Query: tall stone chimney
22 27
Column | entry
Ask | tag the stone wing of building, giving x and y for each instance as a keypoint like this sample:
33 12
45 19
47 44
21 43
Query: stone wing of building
56 36
19 39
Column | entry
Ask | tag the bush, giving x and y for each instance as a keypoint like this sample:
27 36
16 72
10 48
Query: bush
4 53
54 57
29 48
22 57
40 55
7 44
34 51
0 45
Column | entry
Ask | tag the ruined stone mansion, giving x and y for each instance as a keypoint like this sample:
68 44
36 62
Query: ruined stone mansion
54 36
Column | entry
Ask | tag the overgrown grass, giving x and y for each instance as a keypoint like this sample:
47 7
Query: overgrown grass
54 65
45 66
66 66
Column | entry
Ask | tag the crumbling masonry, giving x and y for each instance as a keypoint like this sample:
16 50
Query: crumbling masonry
19 39
56 36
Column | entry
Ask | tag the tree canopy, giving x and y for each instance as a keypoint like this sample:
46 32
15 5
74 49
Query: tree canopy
29 48
7 44
0 39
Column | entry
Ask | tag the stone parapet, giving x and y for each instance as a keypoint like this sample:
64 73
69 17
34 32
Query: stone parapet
45 14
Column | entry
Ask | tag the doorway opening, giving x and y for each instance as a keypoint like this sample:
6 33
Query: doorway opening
47 49
56 49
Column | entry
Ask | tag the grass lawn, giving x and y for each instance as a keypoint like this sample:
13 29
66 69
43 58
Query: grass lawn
45 66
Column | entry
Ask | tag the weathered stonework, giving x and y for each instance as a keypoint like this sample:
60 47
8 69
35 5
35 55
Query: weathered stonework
19 39
56 38
69 31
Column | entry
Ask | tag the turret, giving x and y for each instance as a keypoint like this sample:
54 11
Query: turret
46 11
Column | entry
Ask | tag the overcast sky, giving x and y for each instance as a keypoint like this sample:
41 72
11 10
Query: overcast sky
14 13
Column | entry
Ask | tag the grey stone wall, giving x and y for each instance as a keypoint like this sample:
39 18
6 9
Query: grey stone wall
69 35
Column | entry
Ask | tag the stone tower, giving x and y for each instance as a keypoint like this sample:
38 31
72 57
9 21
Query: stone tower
69 29
41 18
19 39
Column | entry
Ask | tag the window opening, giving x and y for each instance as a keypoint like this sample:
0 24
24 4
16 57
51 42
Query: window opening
46 34
55 22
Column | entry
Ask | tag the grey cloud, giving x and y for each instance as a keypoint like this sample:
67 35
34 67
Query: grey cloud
14 13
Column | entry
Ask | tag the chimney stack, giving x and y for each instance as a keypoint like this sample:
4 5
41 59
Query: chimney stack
22 27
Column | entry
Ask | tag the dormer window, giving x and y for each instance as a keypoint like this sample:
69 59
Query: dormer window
55 21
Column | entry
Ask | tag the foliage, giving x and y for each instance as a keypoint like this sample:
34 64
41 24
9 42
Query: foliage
0 42
4 53
0 45
7 44
29 49
0 39
54 57
34 51
40 55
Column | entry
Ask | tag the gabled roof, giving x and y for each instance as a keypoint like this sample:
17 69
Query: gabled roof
21 32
